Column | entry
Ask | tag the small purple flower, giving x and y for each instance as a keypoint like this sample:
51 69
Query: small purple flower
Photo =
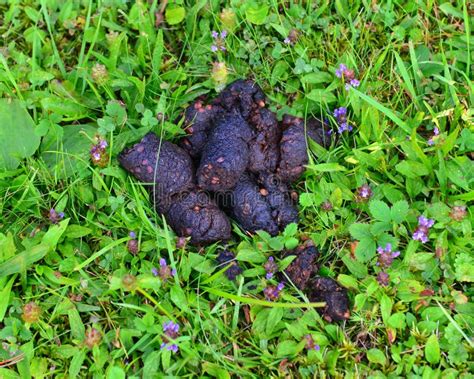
363 193
431 141
55 216
132 235
165 272
132 245
310 344
287 41
218 41
102 144
340 114
354 83
171 332
421 232
341 70
270 267
272 293
386 256
383 278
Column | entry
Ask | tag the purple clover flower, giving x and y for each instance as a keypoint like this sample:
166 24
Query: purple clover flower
218 41
272 293
55 216
341 70
347 76
270 267
363 193
165 272
421 232
171 331
340 114
383 278
98 152
386 256
310 344
431 141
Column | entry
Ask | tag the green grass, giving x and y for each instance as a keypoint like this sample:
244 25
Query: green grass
415 64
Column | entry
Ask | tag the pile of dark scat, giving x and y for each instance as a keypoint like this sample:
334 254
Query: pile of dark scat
236 161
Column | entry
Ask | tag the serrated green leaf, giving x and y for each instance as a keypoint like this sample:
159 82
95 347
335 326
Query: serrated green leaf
360 231
399 211
365 249
379 210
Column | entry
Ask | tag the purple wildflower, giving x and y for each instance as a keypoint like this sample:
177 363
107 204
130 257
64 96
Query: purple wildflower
354 83
421 232
55 216
340 115
363 193
287 41
341 70
270 267
165 272
431 141
310 345
132 245
348 76
272 293
98 153
383 278
386 256
171 332
218 41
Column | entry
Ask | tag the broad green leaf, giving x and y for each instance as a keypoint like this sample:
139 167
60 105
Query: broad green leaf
288 348
376 356
18 139
274 317
360 231
76 364
174 15
257 14
5 297
75 323
432 352
385 308
380 210
322 96
70 153
399 211
25 259
412 169
365 249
